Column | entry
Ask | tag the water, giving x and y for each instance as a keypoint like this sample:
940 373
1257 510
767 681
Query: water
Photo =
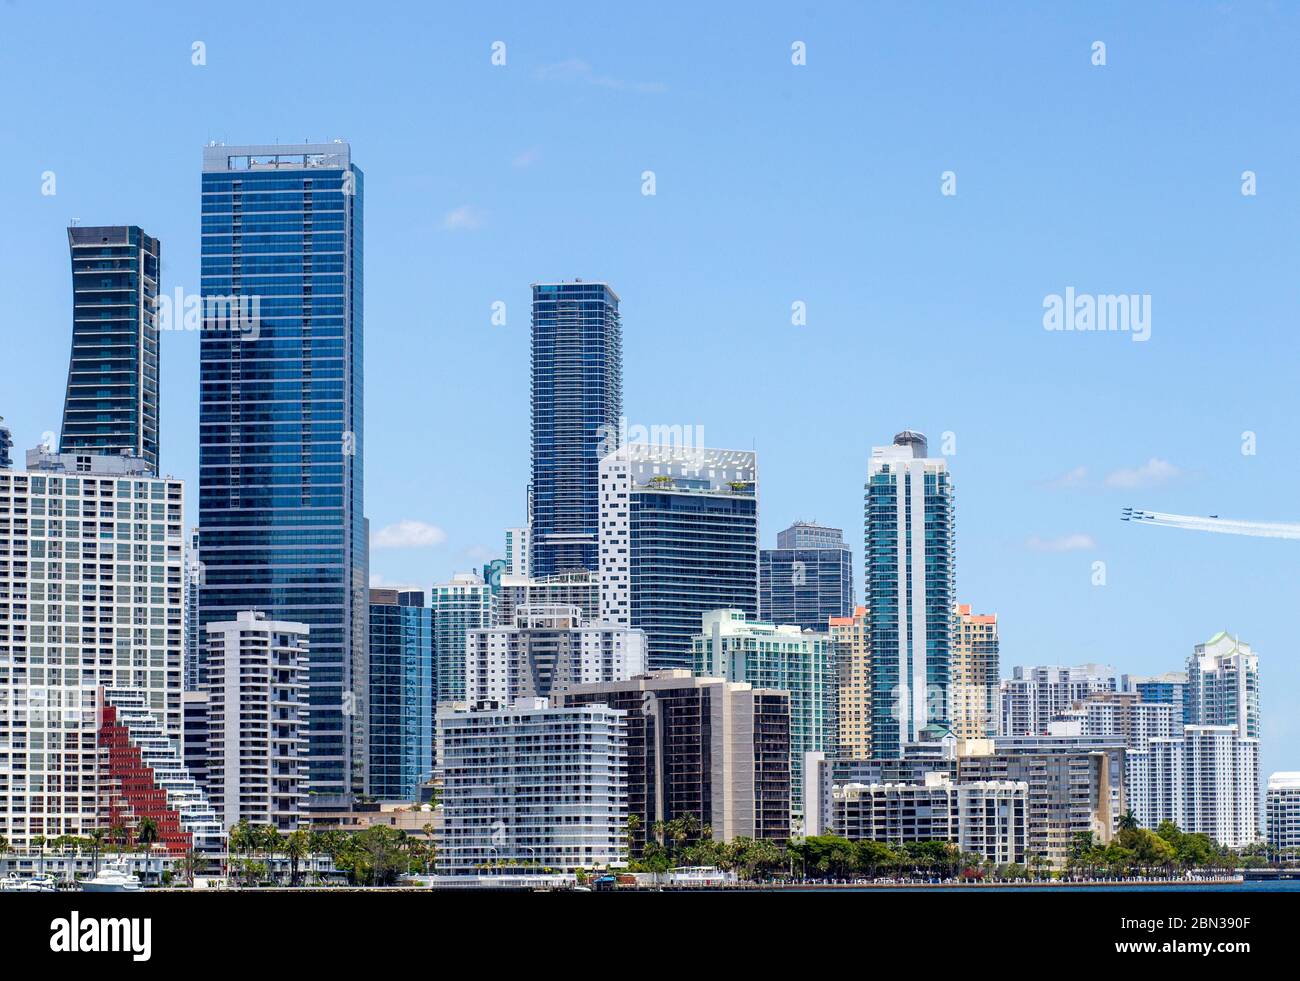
1282 885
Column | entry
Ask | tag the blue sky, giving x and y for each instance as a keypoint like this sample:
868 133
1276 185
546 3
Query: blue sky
775 184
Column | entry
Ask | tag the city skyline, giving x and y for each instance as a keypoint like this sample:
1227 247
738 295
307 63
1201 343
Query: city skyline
1024 525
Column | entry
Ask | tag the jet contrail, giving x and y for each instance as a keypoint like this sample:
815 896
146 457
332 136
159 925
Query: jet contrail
1221 526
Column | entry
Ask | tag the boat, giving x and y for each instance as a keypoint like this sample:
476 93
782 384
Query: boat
36 883
113 877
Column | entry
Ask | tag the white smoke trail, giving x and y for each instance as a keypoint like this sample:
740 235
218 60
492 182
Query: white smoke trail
1220 526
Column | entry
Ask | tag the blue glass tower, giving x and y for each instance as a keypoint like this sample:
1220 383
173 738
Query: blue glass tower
281 527
910 585
112 398
577 400
401 694
807 578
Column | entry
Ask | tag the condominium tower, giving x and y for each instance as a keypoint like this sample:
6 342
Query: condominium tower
678 539
577 402
111 406
807 578
402 694
910 585
281 523
974 674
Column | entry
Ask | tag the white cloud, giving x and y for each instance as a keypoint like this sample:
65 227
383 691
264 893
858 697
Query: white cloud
577 70
1154 471
408 534
528 157
1065 543
466 218
1071 478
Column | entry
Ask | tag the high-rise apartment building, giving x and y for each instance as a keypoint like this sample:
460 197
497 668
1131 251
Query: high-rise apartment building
111 406
910 583
580 589
712 749
1223 685
1034 696
402 694
548 649
517 549
530 787
465 603
1169 688
1076 786
281 446
577 404
974 673
257 684
678 538
1206 781
1282 807
807 578
193 635
852 639
784 658
91 586
6 444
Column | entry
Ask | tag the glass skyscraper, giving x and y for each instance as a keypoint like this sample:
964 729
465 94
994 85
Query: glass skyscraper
281 526
910 589
466 603
807 578
401 693
577 401
112 397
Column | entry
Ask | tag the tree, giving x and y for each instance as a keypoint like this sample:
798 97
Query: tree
1128 821
146 833
297 846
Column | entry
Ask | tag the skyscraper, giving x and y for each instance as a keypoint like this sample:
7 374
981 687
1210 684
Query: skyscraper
6 444
783 658
464 604
807 578
910 561
678 538
1033 696
401 693
1223 685
281 524
517 549
112 398
852 639
974 673
577 401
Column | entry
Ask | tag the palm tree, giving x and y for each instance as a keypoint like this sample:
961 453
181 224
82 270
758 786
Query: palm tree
38 842
96 845
1128 821
4 845
297 846
146 833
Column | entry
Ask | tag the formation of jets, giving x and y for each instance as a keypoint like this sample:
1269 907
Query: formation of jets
1213 523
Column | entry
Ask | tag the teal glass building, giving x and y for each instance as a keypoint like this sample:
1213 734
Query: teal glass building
401 694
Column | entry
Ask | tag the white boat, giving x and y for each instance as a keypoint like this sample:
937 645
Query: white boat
113 877
36 883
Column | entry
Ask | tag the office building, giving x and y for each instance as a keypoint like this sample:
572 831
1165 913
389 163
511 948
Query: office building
465 603
852 639
257 685
531 787
91 564
1034 696
808 580
784 658
281 445
1206 781
1282 806
111 406
577 404
1223 685
548 649
910 583
402 694
678 539
704 747
974 673
823 774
